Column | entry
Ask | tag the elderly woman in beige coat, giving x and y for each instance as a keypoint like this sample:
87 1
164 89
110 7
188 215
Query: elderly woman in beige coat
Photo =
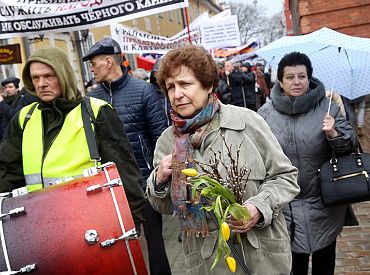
188 77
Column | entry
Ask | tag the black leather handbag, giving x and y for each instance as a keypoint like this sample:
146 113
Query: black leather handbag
345 179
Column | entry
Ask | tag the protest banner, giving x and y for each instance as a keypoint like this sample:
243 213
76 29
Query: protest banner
139 42
134 41
27 17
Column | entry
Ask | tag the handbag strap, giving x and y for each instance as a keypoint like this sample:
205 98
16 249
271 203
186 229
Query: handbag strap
88 118
356 148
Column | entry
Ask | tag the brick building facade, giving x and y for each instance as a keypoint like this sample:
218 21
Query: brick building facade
351 17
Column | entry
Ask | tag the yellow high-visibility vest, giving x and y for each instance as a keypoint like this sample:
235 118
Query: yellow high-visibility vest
67 156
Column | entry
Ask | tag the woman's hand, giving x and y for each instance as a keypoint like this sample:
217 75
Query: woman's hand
328 126
164 171
240 227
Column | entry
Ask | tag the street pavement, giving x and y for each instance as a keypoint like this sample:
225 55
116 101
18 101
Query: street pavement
353 244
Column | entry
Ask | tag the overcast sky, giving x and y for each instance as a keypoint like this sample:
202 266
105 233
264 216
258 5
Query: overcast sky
272 6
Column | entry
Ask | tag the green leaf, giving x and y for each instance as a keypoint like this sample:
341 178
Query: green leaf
218 207
220 189
208 208
211 180
239 238
196 183
227 250
207 191
229 194
217 258
225 213
239 212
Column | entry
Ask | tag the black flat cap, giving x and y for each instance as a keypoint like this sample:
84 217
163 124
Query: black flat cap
104 46
8 80
246 64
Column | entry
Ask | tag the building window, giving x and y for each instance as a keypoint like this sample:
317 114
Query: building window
170 15
158 24
160 15
178 15
190 10
85 46
148 25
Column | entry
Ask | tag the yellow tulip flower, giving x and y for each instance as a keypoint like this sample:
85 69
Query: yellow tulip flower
190 172
225 231
231 263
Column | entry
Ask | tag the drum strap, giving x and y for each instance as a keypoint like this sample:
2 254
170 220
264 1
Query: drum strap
2 236
87 118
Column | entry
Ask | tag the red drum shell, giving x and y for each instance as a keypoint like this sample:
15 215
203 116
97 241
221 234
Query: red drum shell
51 234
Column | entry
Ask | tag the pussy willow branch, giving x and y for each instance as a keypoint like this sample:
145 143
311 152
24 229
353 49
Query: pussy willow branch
236 179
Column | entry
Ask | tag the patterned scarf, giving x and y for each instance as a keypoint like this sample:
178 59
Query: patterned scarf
189 134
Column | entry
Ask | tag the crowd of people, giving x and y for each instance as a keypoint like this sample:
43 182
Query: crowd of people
244 85
155 125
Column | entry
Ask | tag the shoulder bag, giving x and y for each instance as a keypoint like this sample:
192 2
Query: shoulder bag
345 179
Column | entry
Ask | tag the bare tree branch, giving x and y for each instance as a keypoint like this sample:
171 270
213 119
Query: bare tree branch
254 24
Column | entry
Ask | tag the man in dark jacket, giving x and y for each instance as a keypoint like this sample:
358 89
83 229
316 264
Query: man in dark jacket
14 100
240 85
52 144
165 103
138 105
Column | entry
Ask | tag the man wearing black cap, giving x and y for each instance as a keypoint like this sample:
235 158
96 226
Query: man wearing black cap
11 85
139 108
12 102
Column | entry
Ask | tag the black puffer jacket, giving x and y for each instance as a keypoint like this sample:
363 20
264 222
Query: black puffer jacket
138 105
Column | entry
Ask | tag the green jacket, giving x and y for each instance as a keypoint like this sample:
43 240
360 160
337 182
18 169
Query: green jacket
271 185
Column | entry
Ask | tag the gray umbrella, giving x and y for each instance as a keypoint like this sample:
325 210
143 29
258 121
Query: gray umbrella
340 61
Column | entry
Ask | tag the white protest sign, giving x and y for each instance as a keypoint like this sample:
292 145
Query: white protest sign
220 33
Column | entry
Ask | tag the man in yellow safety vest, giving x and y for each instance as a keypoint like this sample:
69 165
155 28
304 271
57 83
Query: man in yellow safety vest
46 142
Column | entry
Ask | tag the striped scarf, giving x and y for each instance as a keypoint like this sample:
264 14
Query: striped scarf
189 134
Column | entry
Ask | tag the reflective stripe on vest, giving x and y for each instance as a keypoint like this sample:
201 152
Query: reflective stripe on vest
33 181
67 156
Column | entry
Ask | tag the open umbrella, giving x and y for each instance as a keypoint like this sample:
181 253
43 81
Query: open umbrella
341 62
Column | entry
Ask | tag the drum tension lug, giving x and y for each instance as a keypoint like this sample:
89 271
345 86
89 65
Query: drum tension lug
13 213
129 235
25 269
98 188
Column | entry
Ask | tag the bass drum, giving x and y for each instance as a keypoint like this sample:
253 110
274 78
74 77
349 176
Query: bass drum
83 226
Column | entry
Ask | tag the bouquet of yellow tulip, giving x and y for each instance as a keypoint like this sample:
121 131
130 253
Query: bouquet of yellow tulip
222 202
